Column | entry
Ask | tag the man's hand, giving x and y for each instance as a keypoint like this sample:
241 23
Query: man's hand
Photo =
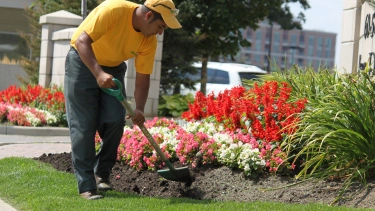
104 80
138 118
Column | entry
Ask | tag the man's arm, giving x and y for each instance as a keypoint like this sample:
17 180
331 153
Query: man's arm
84 48
142 86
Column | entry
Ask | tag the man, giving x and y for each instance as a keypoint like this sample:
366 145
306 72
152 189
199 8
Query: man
112 33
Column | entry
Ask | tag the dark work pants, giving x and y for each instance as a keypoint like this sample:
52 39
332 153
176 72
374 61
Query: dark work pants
90 109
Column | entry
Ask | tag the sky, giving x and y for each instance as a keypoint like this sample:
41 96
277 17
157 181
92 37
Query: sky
323 15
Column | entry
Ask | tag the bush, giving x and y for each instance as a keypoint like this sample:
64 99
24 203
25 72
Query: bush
174 105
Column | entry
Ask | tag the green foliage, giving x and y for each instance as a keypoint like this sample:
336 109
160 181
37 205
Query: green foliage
178 54
174 105
216 25
335 138
305 82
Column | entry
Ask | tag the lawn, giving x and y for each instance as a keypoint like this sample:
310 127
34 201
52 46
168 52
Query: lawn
27 184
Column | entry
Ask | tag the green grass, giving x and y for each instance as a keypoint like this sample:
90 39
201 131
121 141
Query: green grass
27 184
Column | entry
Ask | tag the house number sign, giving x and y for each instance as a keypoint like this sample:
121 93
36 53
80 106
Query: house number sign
369 26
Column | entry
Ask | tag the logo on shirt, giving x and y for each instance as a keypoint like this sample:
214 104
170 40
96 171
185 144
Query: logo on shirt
134 53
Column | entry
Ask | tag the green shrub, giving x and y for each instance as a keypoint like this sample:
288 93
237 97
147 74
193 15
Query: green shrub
174 105
336 138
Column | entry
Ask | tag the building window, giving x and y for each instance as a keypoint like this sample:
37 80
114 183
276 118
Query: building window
257 58
294 39
319 48
258 45
328 53
311 41
276 37
319 41
300 62
259 35
302 38
328 46
311 51
328 43
276 42
319 52
258 41
276 47
285 36
249 34
12 46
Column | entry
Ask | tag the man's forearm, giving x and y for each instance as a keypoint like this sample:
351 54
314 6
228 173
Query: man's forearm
142 86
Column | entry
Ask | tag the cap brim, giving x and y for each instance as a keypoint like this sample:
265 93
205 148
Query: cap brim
171 22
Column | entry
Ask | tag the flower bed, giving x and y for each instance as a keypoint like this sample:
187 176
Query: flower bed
240 128
32 106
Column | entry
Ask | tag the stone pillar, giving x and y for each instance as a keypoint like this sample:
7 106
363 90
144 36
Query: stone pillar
151 108
351 20
61 47
50 23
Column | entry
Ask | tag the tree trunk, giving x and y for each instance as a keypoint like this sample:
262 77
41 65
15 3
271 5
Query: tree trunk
204 73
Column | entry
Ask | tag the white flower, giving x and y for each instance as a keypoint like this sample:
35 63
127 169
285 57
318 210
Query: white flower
50 118
222 138
30 117
168 136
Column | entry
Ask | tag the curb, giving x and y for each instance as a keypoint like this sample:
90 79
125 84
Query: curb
33 131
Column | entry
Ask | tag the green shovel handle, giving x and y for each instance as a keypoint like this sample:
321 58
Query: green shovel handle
118 94
115 92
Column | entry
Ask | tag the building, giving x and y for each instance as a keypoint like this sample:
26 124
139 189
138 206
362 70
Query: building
287 47
13 20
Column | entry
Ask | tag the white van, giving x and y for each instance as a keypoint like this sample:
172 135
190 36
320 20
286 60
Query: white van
221 76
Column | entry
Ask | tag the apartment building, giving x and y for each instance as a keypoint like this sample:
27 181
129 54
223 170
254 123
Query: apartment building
12 22
287 47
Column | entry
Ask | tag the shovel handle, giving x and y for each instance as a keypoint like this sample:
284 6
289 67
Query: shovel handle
149 136
117 93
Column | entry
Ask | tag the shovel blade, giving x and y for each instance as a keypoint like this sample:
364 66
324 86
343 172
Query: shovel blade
178 174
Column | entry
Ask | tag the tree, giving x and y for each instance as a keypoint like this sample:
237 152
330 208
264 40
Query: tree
216 25
177 58
33 13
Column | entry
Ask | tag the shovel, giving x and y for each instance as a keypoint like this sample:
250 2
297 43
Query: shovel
175 174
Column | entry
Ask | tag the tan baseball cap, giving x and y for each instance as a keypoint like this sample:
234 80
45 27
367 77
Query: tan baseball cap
167 10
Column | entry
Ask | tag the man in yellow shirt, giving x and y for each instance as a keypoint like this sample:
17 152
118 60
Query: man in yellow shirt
112 33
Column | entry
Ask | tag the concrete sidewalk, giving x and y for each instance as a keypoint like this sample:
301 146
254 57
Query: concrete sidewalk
31 146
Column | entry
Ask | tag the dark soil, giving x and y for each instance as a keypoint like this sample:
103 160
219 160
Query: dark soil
225 184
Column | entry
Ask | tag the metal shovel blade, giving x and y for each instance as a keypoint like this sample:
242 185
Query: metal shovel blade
178 174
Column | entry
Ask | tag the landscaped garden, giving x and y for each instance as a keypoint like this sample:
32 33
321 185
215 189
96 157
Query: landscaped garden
283 129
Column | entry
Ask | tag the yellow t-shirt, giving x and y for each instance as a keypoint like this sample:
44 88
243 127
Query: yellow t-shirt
114 39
